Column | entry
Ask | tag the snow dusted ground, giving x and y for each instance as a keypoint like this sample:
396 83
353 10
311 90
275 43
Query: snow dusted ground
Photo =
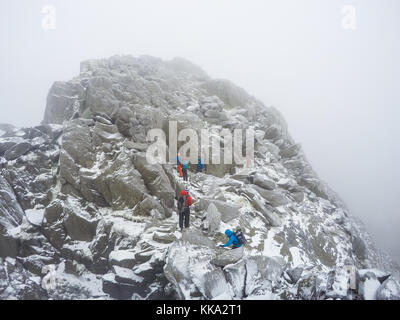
78 194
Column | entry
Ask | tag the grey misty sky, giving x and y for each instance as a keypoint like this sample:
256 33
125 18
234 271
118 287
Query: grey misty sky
338 89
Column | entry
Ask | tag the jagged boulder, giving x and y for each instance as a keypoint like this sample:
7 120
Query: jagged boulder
359 248
290 151
80 225
185 268
271 216
264 182
164 237
106 133
7 144
213 284
368 286
63 100
156 180
125 275
17 150
258 204
122 258
77 143
149 207
196 238
227 210
120 183
262 273
9 245
295 274
115 289
102 244
124 121
389 290
275 198
11 213
235 275
17 283
228 256
212 219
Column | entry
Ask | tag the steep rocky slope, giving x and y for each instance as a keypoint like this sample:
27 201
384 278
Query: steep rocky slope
77 193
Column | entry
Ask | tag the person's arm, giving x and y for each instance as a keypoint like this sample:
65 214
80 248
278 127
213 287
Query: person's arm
230 241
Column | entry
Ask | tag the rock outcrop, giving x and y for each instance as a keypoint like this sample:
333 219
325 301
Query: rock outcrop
79 201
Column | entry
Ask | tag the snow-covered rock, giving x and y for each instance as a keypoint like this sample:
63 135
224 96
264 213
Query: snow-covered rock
78 196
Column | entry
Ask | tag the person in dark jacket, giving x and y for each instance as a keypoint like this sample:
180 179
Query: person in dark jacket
200 166
232 240
184 203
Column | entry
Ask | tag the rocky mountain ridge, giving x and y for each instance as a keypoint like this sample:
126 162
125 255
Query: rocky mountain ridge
77 193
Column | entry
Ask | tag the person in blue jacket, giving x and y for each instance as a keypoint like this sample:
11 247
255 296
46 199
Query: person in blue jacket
200 166
185 169
232 241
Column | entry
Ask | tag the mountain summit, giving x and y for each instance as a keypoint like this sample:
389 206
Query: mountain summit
84 215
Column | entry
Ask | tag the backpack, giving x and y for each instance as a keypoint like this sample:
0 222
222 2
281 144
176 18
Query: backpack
182 204
240 236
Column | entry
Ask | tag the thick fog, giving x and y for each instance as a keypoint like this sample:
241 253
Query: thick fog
331 67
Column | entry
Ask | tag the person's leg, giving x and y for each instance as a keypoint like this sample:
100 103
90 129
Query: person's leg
181 220
187 215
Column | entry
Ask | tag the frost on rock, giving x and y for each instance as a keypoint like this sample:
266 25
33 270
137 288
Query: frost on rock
77 193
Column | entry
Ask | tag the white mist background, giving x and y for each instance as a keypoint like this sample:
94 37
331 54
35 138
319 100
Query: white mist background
339 90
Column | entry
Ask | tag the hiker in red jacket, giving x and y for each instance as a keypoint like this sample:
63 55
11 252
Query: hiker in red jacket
184 203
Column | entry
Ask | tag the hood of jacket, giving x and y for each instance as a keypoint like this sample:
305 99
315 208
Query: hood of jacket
228 232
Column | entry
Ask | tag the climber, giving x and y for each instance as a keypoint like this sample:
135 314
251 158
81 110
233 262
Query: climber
233 240
200 166
185 168
184 203
180 170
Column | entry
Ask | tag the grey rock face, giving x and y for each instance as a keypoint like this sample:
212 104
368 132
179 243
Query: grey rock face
212 219
264 182
262 272
109 217
389 290
120 183
228 211
228 256
11 212
63 100
122 258
274 198
295 274
5 145
17 150
115 289
79 225
197 239
290 151
359 248
156 180
258 204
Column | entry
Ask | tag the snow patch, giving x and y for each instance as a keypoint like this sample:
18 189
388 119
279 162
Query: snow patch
35 216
